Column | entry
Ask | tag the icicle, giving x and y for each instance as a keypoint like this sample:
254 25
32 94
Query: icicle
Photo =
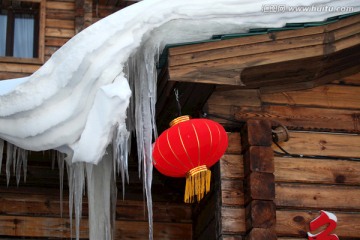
1 152
78 188
70 173
25 159
142 76
19 164
15 148
120 154
102 197
60 160
9 160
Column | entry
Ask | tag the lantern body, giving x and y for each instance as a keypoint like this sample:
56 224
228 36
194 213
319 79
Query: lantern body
188 145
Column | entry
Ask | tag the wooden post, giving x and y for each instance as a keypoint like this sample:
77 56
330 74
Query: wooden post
83 14
259 180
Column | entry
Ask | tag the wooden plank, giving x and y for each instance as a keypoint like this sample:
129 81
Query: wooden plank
296 223
10 75
59 32
247 49
55 42
329 96
232 192
234 140
233 220
49 205
305 117
21 226
139 230
314 196
353 80
57 14
191 73
56 227
18 68
326 171
235 97
232 166
60 5
322 144
60 23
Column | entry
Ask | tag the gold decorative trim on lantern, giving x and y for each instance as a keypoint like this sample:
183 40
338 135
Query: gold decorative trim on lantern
179 120
197 183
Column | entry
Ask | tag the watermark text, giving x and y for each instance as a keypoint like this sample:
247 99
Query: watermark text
282 8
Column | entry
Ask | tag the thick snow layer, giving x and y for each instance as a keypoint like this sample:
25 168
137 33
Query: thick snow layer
102 84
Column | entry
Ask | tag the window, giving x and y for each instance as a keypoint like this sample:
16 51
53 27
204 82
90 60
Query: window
20 28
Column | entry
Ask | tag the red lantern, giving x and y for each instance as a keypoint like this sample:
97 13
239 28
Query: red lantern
188 149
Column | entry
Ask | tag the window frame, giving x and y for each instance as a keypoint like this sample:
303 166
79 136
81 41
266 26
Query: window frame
40 38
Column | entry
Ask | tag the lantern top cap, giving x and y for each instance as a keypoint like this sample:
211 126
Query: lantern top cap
179 120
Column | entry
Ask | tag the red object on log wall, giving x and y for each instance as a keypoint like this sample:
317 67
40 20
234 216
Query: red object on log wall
188 149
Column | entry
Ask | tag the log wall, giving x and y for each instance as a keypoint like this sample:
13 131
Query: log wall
62 20
33 210
321 171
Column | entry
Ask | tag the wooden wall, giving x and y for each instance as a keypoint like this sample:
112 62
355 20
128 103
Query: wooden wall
322 172
32 209
63 19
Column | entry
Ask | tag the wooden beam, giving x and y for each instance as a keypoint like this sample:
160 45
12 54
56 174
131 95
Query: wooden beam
321 171
314 196
322 144
223 62
306 118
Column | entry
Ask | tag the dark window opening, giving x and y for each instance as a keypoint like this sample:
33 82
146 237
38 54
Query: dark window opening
19 28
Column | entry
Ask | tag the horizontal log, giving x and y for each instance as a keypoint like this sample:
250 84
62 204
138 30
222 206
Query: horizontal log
60 23
234 140
18 68
353 80
60 5
329 96
56 14
20 226
232 166
311 196
55 42
233 220
59 32
322 144
296 223
232 193
246 49
235 97
204 72
326 171
305 117
10 75
49 205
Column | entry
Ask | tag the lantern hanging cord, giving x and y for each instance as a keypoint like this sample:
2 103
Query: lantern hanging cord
176 92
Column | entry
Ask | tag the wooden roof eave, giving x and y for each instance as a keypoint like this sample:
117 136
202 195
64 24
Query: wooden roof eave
276 61
286 53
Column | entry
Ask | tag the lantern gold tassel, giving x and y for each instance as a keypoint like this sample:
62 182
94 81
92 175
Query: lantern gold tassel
197 183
